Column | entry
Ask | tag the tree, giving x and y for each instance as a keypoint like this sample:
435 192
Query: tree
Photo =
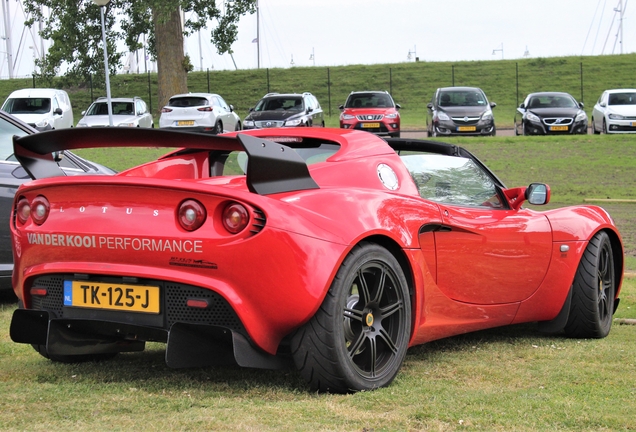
74 27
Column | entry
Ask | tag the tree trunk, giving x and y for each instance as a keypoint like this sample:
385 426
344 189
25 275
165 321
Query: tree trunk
172 76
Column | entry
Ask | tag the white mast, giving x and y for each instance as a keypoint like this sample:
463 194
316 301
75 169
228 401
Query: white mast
7 36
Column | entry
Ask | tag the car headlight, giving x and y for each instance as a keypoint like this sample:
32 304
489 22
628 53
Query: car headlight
487 116
127 124
533 117
391 116
616 117
82 124
294 122
42 123
581 116
347 117
442 116
248 123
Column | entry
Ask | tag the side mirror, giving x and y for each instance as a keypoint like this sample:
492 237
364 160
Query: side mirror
429 106
231 108
492 104
83 112
398 106
309 110
251 109
538 194
58 111
340 107
581 104
522 106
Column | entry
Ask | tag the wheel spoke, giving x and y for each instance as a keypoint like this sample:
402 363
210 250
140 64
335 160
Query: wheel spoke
353 348
380 282
353 314
391 309
389 342
363 288
373 356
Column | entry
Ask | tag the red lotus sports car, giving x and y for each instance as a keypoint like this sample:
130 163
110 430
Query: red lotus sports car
331 249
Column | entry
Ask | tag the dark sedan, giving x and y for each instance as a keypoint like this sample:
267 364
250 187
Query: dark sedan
12 175
460 111
550 113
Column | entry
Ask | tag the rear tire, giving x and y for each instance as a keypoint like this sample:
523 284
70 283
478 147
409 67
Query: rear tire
593 291
41 349
358 338
218 128
238 126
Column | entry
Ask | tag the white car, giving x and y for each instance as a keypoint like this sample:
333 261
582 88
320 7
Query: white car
41 108
615 112
199 112
127 112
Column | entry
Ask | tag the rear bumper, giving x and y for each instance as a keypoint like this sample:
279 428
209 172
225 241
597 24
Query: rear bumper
195 337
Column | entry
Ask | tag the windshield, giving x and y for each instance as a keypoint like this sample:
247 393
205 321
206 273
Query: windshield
552 101
280 104
369 100
622 99
462 98
119 108
27 105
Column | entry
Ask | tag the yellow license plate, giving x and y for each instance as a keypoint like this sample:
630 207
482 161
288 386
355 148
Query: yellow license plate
370 125
466 128
558 128
112 296
185 123
633 124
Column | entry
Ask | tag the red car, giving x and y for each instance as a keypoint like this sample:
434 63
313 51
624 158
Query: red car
372 111
332 249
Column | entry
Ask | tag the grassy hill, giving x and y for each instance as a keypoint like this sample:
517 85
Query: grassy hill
506 82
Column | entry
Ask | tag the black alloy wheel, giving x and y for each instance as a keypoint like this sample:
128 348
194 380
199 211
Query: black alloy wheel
358 338
593 291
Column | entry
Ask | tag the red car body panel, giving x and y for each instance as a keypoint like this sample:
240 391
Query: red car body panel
488 268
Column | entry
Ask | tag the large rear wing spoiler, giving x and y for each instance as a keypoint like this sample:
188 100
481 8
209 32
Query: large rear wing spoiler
272 167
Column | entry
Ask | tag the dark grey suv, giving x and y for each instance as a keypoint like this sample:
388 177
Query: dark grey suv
285 110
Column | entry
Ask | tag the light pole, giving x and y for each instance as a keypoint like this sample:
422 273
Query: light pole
102 4
493 51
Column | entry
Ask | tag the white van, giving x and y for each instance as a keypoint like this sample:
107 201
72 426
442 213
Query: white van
44 109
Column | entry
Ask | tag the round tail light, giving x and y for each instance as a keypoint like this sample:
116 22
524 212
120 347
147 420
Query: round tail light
235 218
23 210
191 215
40 208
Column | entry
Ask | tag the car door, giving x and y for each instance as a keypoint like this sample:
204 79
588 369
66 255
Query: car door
598 113
485 252
229 121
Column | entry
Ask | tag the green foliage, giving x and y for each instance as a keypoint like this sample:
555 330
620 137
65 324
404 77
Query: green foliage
74 27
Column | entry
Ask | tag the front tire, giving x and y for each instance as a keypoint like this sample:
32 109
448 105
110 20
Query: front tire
604 126
593 291
358 338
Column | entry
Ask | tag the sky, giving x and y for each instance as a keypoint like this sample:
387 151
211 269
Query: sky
342 32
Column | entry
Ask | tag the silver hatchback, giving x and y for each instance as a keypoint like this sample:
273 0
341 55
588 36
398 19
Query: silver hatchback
199 112
130 112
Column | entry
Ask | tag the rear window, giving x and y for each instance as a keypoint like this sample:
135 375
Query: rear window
189 101
235 162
